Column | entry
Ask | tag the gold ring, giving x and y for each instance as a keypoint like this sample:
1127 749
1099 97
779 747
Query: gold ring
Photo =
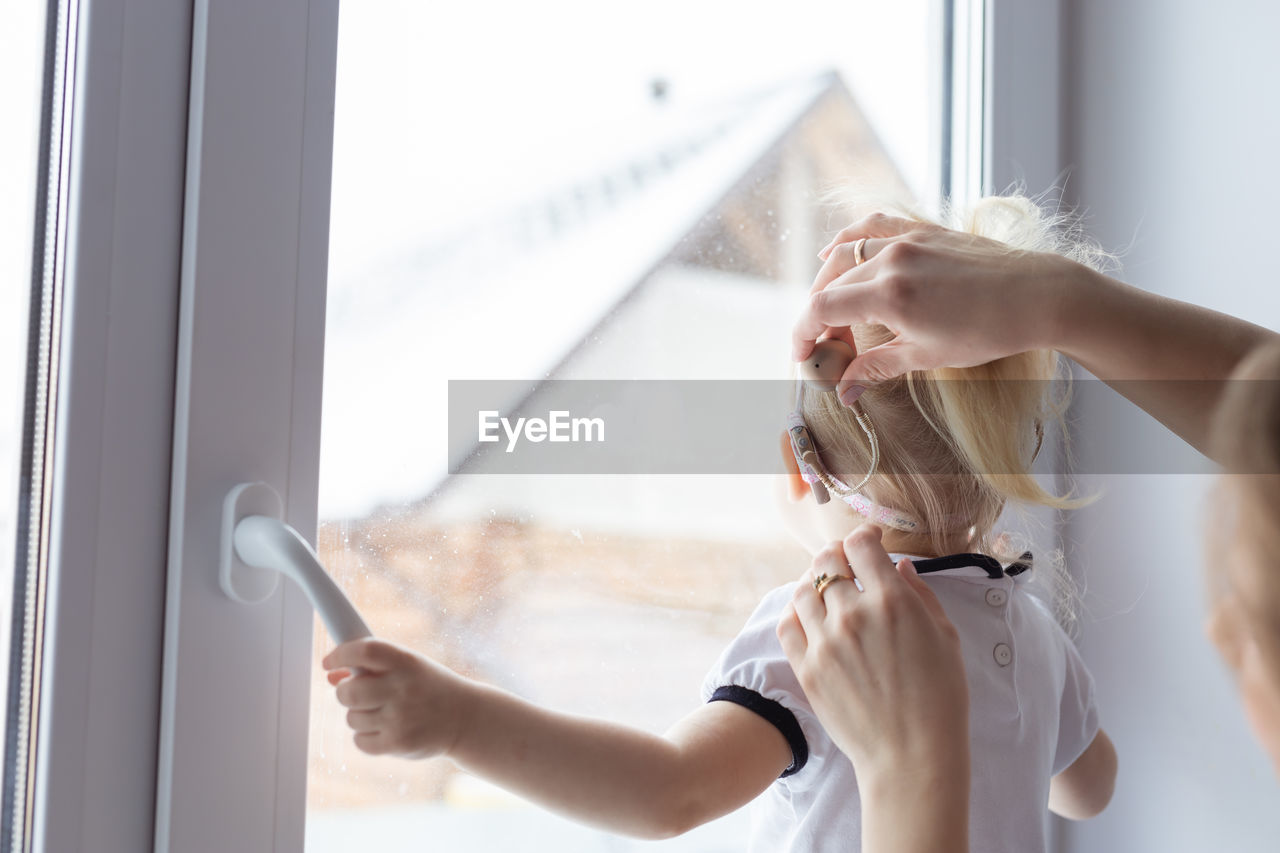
857 251
824 580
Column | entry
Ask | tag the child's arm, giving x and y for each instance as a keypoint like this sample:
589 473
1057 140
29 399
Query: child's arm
1084 789
626 780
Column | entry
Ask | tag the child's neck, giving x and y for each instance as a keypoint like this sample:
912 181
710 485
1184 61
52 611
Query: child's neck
923 545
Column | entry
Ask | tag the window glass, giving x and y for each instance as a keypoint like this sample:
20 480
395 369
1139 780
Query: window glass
530 192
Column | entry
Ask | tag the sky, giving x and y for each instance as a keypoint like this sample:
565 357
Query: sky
473 98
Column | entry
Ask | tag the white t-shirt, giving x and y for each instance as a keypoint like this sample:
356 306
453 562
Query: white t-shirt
1032 713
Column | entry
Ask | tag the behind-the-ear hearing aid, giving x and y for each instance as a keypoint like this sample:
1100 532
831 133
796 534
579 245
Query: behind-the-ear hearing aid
822 372
823 368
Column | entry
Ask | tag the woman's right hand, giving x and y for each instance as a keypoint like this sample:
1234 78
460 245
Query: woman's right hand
952 299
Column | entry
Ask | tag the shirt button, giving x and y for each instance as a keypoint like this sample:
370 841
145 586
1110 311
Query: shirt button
996 597
1003 654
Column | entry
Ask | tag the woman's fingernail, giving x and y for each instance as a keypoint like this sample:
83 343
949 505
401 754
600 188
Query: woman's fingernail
850 395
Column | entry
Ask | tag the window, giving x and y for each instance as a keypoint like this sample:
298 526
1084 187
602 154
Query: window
579 205
194 233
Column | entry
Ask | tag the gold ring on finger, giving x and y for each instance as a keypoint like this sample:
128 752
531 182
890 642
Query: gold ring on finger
823 581
858 257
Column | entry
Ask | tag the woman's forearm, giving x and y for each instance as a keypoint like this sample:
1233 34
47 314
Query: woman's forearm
1168 357
926 812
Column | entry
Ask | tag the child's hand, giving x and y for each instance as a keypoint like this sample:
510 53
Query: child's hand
400 702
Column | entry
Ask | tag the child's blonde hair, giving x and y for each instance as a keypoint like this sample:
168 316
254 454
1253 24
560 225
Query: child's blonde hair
957 444
1246 439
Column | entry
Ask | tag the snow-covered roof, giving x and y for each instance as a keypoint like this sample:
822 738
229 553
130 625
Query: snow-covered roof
511 294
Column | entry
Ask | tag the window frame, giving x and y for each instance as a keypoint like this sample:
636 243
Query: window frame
100 661
255 253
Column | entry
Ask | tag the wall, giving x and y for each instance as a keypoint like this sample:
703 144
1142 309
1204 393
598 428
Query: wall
1171 131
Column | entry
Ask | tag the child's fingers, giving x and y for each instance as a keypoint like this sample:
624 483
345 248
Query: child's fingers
364 693
371 742
364 722
369 654
337 675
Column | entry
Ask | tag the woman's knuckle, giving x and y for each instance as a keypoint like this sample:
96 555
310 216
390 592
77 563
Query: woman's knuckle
893 607
819 652
850 621
899 293
896 254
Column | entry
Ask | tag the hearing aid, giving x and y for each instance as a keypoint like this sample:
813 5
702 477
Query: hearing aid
823 368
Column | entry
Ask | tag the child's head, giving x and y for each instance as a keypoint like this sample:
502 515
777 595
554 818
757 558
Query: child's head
1242 560
956 445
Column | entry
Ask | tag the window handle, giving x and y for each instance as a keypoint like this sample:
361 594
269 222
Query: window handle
257 547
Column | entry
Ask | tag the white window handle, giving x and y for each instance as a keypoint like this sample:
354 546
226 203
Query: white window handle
257 547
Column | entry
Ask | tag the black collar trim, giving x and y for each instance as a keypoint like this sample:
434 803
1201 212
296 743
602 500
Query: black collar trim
982 561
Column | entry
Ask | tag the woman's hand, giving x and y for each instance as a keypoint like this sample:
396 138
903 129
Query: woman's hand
956 300
399 702
882 668
953 299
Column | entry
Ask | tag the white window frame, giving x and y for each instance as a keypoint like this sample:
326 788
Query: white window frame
1024 98
250 354
191 362
97 720
170 717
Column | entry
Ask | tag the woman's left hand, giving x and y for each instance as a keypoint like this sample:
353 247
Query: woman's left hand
881 667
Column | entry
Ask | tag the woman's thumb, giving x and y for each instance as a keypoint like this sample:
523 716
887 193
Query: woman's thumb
878 364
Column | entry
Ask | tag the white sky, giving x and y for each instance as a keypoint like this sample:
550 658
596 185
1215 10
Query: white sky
473 99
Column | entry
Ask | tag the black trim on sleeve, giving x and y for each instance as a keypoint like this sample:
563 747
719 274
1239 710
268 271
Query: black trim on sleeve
782 719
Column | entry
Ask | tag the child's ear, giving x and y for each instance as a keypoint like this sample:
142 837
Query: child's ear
797 488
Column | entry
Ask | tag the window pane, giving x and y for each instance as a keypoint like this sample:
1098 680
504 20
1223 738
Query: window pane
30 188
574 191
